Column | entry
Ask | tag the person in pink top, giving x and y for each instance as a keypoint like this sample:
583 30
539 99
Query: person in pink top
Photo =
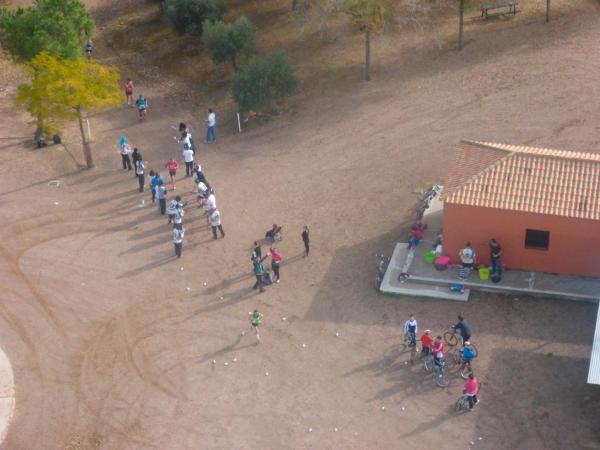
129 92
470 389
438 351
172 165
275 262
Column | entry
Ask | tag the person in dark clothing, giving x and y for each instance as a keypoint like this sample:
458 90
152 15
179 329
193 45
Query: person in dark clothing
306 240
257 252
135 157
199 175
259 272
495 252
139 171
463 327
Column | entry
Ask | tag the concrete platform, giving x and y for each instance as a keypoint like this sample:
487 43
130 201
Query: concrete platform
436 283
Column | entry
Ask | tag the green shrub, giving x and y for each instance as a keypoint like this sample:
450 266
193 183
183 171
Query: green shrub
263 82
187 16
227 42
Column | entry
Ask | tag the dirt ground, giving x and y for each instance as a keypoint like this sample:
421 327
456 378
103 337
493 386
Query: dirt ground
111 350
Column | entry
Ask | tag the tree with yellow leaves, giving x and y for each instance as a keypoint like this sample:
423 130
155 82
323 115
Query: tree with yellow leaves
62 90
368 16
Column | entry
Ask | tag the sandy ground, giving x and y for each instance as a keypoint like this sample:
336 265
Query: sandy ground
110 350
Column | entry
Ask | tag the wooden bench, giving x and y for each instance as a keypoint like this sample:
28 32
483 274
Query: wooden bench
510 4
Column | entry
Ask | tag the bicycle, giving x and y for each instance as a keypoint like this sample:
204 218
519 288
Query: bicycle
455 358
462 404
441 375
427 361
384 261
452 340
410 341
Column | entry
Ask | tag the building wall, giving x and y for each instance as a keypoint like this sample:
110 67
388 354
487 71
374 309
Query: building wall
574 243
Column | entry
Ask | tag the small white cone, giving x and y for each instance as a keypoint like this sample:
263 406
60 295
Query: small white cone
266 374
205 283
335 430
472 443
310 430
383 408
221 298
337 334
303 345
226 364
234 359
403 408
56 203
181 268
188 289
480 438
214 361
284 319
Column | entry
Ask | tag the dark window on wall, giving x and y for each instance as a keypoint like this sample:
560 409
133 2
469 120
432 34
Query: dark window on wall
537 239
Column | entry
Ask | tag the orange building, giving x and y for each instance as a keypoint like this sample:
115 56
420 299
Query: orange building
541 205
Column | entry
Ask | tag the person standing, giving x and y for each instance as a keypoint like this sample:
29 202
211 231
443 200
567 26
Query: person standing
215 222
495 252
211 127
463 327
276 262
257 252
172 165
125 151
89 48
161 194
155 183
306 240
129 92
199 176
178 241
188 157
151 177
135 157
411 328
470 388
139 171
172 209
142 105
259 272
178 217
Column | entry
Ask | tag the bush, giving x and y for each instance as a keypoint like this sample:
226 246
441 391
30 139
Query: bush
263 82
187 16
226 42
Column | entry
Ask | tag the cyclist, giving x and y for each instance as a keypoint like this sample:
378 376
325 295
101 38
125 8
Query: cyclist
470 389
463 327
438 351
410 331
142 105
426 343
467 354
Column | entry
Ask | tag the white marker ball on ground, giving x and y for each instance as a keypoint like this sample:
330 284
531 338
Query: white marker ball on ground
335 430
283 318
266 374
303 345
383 408
234 359
188 289
310 430
181 268
403 408
214 361
205 283
226 364
337 334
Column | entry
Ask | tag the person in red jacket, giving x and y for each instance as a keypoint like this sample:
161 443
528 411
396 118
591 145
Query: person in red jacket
470 388
172 165
438 351
275 262
426 343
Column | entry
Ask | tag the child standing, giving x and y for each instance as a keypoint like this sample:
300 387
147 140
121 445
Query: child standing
172 165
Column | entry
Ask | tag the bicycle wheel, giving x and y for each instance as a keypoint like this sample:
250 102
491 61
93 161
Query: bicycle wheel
475 350
466 370
442 378
453 359
450 339
460 404
428 363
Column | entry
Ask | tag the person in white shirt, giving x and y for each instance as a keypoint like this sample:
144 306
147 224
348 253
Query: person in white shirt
125 152
178 240
178 218
211 130
215 222
188 157
467 256
172 208
161 195
139 171
211 204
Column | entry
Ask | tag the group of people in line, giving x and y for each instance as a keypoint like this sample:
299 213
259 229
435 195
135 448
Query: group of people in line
133 160
435 347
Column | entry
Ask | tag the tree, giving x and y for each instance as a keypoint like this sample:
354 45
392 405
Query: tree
263 82
367 16
188 16
227 42
58 27
62 90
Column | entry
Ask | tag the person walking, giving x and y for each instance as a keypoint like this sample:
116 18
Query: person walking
276 262
151 177
129 92
306 240
259 272
188 157
211 127
142 105
178 217
215 222
161 194
155 182
172 165
139 171
495 252
125 152
135 157
178 241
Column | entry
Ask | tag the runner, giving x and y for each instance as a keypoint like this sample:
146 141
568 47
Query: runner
129 92
172 165
255 321
142 105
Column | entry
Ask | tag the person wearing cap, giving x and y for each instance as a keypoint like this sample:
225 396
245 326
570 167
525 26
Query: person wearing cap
426 343
467 354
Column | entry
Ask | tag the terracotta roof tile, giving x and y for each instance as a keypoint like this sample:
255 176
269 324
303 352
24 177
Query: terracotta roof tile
528 179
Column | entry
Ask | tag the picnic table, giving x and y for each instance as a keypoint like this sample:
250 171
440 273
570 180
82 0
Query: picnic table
505 7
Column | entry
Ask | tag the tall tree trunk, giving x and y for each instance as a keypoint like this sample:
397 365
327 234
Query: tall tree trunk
461 23
87 149
367 55
547 10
